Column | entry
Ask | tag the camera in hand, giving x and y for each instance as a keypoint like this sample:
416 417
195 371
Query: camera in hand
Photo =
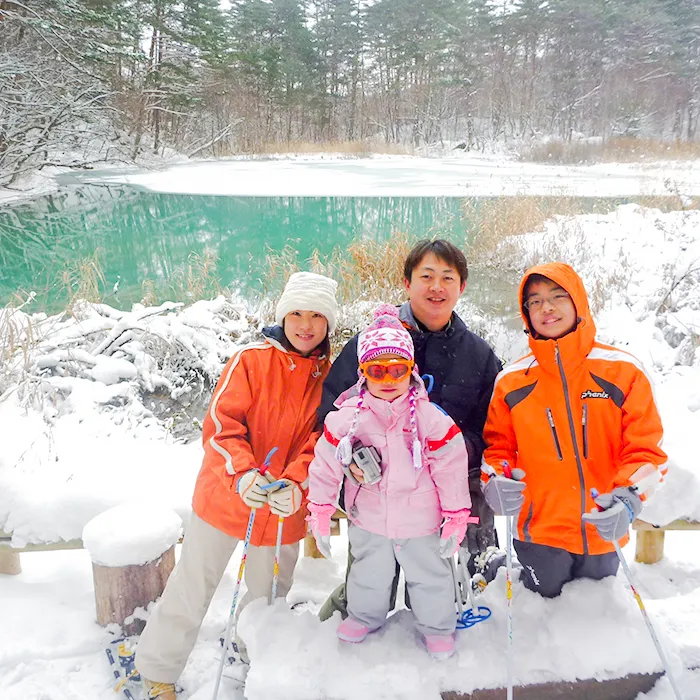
367 459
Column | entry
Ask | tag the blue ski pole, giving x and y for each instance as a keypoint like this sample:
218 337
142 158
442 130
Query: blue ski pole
241 569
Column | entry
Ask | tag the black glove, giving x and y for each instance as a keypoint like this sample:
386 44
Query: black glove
483 535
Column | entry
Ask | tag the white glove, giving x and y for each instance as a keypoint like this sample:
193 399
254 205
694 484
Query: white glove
248 488
616 510
323 544
504 495
286 499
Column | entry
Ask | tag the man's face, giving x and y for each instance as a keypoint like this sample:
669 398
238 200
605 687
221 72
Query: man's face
551 309
433 291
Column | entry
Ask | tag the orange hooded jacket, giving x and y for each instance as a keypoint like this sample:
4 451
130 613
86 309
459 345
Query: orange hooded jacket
266 397
574 414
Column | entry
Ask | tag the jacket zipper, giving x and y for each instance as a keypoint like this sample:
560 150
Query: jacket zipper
574 442
584 421
553 428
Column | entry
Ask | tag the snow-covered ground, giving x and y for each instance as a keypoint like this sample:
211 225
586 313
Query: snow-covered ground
51 649
462 175
92 410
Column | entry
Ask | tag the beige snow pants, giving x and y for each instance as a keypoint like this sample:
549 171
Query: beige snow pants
172 629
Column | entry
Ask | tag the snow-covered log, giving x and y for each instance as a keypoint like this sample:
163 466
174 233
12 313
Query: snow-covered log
120 590
132 547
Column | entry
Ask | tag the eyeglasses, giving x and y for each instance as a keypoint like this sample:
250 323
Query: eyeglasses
558 299
386 370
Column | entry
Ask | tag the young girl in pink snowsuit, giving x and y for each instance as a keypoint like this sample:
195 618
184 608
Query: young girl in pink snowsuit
424 483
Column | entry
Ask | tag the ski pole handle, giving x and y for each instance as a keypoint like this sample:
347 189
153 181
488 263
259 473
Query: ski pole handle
266 464
507 471
280 484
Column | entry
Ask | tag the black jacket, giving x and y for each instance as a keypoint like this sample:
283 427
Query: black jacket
464 368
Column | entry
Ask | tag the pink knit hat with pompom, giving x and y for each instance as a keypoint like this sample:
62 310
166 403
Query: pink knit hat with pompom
384 336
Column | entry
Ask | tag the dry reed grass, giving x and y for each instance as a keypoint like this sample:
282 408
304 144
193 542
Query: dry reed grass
497 219
621 149
350 148
196 279
670 202
17 337
83 279
367 272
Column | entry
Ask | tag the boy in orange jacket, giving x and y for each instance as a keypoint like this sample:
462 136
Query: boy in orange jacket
572 419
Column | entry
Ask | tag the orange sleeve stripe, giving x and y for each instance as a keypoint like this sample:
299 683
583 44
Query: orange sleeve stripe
330 437
434 445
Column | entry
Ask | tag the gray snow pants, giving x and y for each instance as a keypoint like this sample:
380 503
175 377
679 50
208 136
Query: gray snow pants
428 580
546 569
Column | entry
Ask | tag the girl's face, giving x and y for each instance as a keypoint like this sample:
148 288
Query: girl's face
385 389
305 330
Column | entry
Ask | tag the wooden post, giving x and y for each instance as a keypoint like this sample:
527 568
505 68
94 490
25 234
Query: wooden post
9 562
119 590
310 548
650 546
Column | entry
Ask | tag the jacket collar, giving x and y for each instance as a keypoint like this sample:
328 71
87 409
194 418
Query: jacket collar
411 323
574 347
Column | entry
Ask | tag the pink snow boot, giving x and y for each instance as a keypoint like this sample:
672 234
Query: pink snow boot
440 646
350 630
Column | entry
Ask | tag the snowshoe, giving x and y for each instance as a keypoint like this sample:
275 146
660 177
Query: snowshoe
121 654
486 566
161 691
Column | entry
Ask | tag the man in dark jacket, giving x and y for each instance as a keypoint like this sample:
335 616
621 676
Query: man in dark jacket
462 366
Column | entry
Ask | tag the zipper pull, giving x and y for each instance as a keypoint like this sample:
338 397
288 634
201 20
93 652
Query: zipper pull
553 428
550 417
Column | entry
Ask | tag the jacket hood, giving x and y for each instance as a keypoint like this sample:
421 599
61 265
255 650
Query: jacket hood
576 345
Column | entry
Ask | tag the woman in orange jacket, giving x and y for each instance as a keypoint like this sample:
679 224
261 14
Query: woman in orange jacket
266 398
572 419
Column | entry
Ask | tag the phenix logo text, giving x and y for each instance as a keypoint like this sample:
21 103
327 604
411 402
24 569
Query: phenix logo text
588 394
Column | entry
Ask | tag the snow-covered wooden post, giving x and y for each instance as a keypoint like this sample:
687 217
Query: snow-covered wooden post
132 548
9 562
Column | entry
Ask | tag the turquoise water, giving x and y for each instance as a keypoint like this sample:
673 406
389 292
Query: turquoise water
139 236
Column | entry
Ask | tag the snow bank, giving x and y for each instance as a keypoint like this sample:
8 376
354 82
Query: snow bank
55 477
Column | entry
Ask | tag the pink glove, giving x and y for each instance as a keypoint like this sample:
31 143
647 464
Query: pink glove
319 519
454 527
